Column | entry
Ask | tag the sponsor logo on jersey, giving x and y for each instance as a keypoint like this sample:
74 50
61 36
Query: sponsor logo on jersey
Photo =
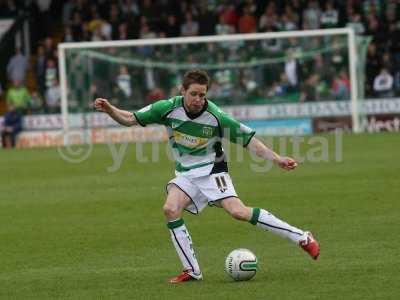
189 140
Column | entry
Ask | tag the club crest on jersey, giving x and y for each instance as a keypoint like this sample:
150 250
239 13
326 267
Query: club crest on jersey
207 131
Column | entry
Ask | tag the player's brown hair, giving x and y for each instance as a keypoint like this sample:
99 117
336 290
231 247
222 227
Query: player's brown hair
195 76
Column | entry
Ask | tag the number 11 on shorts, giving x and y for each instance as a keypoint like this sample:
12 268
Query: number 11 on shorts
221 183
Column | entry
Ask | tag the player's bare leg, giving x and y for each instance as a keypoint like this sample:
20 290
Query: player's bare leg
265 220
176 201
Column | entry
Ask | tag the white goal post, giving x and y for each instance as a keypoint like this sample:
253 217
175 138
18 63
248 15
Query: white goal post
349 32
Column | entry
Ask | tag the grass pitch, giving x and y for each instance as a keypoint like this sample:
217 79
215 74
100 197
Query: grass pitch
78 231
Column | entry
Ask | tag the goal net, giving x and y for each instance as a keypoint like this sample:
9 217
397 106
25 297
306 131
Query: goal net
252 69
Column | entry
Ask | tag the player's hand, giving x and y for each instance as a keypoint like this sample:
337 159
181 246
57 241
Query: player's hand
286 163
103 105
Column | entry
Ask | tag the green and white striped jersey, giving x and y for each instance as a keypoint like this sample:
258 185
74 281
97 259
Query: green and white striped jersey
195 139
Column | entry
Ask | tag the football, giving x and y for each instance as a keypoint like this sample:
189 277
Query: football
241 264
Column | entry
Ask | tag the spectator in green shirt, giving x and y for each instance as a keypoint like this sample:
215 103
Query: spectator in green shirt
18 96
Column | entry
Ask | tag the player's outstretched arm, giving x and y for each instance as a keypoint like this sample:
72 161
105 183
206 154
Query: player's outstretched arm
123 117
258 148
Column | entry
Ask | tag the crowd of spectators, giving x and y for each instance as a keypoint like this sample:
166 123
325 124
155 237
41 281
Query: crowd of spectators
320 77
324 77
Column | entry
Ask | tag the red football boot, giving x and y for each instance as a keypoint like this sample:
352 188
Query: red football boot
310 245
186 275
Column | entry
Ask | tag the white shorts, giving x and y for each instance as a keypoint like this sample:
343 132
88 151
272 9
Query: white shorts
205 190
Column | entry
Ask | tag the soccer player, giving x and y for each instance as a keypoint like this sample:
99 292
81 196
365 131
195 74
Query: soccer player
195 127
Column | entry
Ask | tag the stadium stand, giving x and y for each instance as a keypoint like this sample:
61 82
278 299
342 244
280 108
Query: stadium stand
83 20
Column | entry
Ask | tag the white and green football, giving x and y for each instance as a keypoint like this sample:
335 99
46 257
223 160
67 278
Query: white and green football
241 264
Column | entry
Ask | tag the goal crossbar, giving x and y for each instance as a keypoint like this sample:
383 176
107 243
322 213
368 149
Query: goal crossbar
206 39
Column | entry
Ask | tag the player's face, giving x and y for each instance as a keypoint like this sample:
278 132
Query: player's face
195 97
